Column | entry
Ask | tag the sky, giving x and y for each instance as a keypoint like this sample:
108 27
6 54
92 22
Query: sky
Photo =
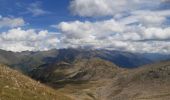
141 26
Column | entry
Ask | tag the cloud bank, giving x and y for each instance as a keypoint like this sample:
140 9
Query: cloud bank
129 25
135 25
115 35
18 39
94 8
11 22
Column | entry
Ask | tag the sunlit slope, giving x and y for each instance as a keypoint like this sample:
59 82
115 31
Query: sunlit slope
15 86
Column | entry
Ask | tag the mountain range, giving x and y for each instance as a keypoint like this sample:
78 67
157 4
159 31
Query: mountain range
27 60
79 74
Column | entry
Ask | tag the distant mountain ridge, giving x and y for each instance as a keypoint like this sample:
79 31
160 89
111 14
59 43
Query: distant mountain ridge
27 60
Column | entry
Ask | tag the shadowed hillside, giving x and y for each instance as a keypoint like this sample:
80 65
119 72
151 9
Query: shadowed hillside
81 70
81 79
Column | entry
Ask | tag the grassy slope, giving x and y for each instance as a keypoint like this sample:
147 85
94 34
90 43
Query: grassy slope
15 86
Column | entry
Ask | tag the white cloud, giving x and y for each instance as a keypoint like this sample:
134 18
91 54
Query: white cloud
145 20
109 7
137 26
117 35
149 47
36 9
140 25
156 33
111 28
20 40
11 22
142 33
151 18
80 30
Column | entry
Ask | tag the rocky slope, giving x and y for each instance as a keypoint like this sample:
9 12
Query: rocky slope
81 79
150 82
15 86
96 79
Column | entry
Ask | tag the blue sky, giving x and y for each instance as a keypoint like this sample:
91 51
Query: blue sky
128 25
55 11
